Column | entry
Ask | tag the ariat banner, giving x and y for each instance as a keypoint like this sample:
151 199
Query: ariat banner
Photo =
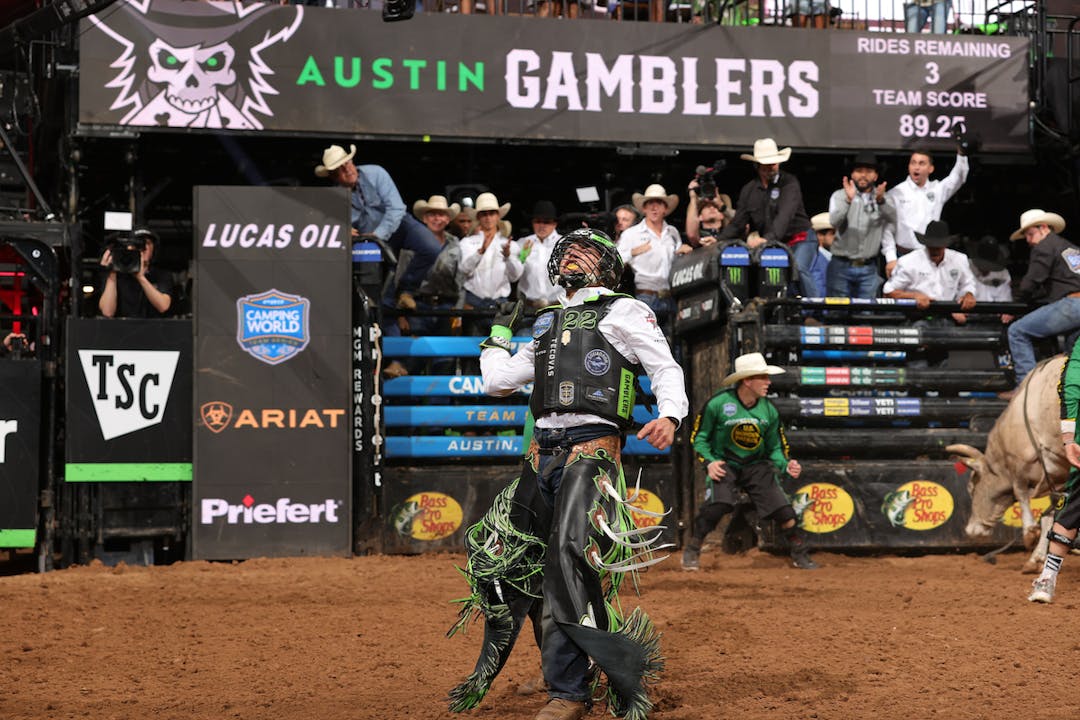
20 431
128 400
161 64
272 368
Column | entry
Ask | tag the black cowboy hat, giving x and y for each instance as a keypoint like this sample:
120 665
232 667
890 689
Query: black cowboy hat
937 235
866 159
987 254
544 210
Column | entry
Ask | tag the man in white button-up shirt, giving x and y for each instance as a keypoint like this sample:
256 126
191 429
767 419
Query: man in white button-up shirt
649 247
490 261
535 284
918 201
934 273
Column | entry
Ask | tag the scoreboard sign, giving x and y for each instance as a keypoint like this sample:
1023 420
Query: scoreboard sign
317 70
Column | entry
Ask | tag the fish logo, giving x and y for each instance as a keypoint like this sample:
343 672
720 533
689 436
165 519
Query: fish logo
403 519
895 506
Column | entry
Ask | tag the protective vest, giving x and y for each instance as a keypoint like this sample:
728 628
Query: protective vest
577 369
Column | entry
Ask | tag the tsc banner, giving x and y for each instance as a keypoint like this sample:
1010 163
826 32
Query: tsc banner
20 432
272 473
172 64
128 400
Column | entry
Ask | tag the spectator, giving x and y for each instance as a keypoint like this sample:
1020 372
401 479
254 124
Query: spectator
486 276
861 211
918 201
918 12
463 223
626 216
988 261
772 206
826 235
133 289
377 210
1052 280
535 284
648 249
15 343
706 217
741 442
935 273
440 289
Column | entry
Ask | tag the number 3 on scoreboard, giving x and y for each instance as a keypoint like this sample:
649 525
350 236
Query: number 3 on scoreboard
932 73
929 126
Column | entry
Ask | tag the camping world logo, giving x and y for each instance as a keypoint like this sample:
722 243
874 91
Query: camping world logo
272 326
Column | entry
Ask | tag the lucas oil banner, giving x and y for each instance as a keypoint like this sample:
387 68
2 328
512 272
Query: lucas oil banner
272 462
163 64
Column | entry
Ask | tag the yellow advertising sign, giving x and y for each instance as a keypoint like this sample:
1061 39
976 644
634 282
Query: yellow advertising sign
918 505
428 516
823 507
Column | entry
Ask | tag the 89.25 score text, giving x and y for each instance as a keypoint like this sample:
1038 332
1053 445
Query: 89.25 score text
938 126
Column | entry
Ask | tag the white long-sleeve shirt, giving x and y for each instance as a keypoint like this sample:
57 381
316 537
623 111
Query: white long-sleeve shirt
535 283
489 275
631 328
947 282
652 269
917 206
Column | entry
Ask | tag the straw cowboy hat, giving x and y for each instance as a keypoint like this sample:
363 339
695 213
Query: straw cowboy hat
334 157
766 152
749 365
821 222
488 201
655 192
937 235
421 208
1038 217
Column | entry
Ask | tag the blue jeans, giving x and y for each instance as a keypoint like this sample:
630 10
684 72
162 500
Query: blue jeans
915 17
413 235
846 280
663 309
1057 318
805 253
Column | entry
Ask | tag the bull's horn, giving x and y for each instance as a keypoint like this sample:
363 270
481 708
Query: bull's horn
964 451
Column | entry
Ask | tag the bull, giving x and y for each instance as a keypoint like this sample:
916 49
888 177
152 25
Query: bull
1023 459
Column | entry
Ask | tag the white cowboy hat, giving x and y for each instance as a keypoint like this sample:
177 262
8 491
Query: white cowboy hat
1038 217
421 208
749 365
334 157
488 201
821 222
655 192
766 152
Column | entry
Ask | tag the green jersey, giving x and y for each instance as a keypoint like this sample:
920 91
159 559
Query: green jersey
728 430
1069 385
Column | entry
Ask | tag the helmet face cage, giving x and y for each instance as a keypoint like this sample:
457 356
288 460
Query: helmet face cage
594 261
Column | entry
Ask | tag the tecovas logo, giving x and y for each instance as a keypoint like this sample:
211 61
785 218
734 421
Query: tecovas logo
129 388
283 511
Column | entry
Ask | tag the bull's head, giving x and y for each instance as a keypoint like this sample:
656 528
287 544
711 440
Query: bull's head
990 493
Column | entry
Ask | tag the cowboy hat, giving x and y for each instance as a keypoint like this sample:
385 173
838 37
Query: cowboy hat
987 254
421 208
936 235
487 201
544 210
749 365
1038 217
334 157
766 152
655 192
866 159
821 222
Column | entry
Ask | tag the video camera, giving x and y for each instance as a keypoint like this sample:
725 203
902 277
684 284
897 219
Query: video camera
706 179
126 250
19 347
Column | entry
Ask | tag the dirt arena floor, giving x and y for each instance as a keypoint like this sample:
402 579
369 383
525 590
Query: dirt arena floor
945 636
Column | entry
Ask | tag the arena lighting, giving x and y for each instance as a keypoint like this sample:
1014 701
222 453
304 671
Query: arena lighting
394 10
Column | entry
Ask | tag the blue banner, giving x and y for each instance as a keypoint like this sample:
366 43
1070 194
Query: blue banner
456 386
502 446
440 346
473 415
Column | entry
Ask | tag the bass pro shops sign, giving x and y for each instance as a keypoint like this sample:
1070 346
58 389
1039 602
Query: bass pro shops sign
160 64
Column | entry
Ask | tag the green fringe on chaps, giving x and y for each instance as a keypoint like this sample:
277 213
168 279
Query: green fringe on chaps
578 568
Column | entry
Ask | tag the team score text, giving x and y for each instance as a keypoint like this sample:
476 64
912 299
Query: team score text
941 126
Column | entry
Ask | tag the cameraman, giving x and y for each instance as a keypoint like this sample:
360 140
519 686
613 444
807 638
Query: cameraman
132 289
16 344
709 210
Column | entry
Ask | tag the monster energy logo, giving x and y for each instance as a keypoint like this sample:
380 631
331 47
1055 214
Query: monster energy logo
775 276
734 274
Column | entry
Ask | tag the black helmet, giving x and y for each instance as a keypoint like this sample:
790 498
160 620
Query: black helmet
602 266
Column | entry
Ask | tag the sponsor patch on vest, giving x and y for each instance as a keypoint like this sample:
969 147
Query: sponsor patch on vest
1071 257
597 362
566 393
272 326
729 409
746 435
543 324
597 395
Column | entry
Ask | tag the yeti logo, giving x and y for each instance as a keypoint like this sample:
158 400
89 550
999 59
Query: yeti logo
194 64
